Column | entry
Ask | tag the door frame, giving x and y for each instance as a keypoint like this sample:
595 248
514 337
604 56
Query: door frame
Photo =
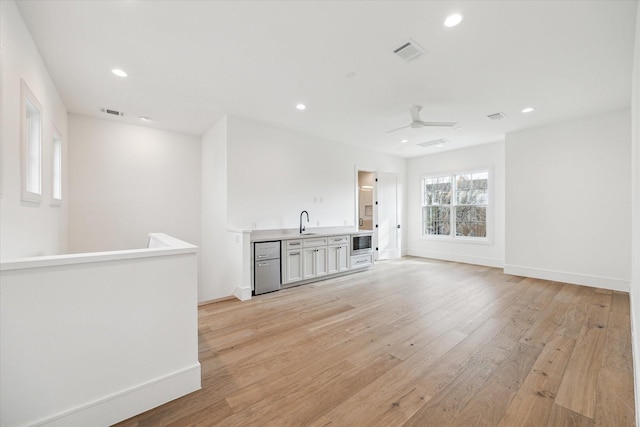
374 192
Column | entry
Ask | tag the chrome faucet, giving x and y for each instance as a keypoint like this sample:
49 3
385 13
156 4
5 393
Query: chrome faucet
302 228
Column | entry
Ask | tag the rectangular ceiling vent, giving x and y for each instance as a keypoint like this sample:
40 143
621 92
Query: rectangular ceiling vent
112 112
409 51
496 116
436 142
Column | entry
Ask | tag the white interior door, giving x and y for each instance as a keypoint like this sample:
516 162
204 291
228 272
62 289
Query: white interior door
387 219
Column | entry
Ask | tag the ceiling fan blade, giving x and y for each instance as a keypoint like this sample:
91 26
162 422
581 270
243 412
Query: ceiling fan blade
438 123
415 113
393 130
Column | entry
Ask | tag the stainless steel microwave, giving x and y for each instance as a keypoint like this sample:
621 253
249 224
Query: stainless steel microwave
361 243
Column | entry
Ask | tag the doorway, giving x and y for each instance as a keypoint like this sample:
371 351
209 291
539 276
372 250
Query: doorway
365 200
377 194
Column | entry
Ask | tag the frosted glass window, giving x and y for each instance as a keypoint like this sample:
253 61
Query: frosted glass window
31 142
56 169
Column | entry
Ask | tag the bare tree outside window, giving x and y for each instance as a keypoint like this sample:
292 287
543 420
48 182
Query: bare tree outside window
456 205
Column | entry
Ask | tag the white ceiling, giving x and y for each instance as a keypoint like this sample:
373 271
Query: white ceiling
191 62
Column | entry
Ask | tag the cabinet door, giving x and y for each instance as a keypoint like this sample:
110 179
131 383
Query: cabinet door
343 258
333 262
321 261
293 266
315 262
338 259
309 268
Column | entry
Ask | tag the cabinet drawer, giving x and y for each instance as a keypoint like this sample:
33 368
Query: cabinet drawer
316 241
294 244
334 240
360 261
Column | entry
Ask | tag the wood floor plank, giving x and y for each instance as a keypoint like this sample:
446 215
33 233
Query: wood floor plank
614 397
577 390
411 341
488 405
620 303
397 385
448 403
563 417
532 404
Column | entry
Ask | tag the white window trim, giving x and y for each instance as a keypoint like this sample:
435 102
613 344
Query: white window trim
26 93
488 240
57 136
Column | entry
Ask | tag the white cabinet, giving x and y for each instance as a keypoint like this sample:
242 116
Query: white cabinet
361 261
338 254
315 257
338 259
292 266
305 259
315 262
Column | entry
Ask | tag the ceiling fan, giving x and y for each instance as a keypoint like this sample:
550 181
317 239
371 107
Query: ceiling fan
417 123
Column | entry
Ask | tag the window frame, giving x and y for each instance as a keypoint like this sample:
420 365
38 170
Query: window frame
452 237
57 150
27 162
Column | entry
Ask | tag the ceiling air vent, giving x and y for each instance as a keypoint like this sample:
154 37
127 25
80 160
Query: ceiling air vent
436 142
112 112
496 116
409 50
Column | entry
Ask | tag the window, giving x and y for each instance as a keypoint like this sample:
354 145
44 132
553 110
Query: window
456 205
31 146
56 169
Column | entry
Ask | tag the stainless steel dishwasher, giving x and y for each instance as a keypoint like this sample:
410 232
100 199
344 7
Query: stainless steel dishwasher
267 267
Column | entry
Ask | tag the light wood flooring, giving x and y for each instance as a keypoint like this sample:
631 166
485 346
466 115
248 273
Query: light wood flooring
413 342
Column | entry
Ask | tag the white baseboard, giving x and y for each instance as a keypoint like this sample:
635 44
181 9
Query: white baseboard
488 262
636 355
243 294
127 403
565 277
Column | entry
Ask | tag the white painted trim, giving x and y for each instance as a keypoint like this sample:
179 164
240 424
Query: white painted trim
160 245
243 294
566 277
488 262
635 351
127 403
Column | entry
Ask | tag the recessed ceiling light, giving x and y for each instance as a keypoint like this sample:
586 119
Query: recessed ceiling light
145 118
404 140
453 20
528 109
118 72
301 107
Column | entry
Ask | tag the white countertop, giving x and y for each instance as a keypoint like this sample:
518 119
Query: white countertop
289 233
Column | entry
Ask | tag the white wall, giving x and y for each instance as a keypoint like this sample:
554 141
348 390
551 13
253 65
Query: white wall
635 221
568 201
90 340
128 181
254 174
489 156
216 256
274 174
28 229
